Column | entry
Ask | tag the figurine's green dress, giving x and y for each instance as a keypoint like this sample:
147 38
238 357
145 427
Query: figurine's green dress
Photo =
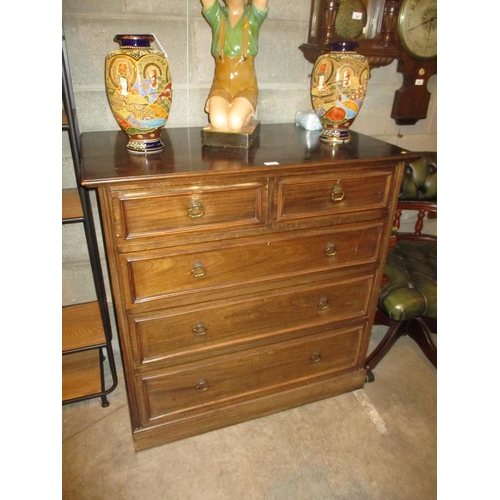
234 49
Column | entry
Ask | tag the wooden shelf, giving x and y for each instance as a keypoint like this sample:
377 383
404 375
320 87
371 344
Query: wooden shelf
81 374
71 204
82 326
377 55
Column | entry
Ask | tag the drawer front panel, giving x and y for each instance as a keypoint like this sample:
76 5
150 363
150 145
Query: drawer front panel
172 336
145 214
162 275
251 374
300 198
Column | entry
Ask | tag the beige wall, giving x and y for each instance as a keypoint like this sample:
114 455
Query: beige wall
283 75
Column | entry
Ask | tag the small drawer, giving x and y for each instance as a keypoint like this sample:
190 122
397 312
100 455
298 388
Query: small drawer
299 198
173 210
198 332
250 374
202 270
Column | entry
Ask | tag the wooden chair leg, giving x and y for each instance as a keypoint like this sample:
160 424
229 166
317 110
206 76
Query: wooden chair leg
419 331
396 330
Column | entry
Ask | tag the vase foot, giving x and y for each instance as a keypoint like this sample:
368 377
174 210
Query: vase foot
144 147
334 136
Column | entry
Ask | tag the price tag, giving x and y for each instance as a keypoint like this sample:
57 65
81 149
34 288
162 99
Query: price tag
357 15
419 81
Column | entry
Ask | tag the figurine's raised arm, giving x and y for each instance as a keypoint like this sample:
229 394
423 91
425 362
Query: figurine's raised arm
261 4
207 3
232 101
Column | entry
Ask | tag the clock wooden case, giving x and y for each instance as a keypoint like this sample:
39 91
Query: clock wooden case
384 25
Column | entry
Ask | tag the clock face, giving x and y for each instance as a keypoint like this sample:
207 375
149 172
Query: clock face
418 27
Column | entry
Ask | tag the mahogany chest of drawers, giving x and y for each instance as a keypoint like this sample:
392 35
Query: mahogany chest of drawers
244 281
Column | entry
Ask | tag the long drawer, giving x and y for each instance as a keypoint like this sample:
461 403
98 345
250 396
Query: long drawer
197 332
201 270
199 387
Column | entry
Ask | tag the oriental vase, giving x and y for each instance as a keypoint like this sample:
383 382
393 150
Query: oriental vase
338 89
139 91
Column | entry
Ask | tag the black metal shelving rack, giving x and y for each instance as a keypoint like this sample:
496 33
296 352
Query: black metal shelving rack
86 328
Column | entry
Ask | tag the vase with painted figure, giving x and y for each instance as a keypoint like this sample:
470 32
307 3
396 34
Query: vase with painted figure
338 89
139 91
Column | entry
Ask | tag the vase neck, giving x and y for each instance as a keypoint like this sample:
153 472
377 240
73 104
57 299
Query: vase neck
134 40
344 46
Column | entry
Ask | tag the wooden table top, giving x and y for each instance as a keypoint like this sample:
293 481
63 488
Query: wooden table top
106 160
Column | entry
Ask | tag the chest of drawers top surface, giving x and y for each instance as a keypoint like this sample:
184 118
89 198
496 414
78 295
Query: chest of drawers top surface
280 147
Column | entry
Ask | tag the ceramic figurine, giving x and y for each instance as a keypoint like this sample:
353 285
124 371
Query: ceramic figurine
232 100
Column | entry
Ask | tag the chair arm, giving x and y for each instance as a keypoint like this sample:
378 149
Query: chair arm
422 207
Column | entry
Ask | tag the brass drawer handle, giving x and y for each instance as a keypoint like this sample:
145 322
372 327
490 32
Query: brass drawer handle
330 250
196 210
315 357
200 329
202 385
198 270
338 193
323 303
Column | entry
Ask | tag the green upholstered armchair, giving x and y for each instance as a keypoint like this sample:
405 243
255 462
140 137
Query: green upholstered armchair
408 297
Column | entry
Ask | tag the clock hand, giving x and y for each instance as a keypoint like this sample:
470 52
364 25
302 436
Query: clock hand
425 22
427 41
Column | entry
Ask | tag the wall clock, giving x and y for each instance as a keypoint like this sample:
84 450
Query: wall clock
418 27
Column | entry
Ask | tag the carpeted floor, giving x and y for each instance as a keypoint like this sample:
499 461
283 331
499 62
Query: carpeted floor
377 443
